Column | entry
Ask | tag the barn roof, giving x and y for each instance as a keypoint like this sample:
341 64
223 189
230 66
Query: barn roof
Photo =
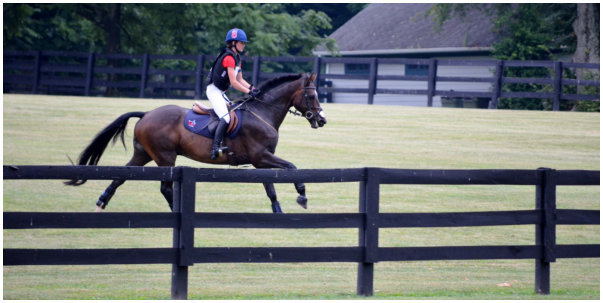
401 28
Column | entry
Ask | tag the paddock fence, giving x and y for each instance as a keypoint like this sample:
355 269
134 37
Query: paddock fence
183 76
368 221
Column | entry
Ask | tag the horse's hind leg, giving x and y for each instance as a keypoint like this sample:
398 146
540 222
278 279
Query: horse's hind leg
167 189
139 158
103 200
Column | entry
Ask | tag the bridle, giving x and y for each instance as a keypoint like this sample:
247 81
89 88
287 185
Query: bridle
308 114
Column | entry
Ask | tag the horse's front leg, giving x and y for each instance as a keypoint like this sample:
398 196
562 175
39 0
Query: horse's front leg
271 192
302 200
271 161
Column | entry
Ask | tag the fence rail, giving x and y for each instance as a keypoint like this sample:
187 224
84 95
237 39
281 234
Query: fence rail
183 76
368 220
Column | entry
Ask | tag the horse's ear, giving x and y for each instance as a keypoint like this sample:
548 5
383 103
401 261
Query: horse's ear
311 78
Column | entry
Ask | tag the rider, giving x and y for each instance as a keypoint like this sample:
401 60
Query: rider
226 72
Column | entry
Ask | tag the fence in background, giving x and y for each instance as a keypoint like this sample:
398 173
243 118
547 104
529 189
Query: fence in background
546 216
183 76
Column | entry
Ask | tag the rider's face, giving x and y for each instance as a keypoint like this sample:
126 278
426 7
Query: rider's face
240 46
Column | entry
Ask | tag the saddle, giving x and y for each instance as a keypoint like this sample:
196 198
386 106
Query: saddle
201 109
203 121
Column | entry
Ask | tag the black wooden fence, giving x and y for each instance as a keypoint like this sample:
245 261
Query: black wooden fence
546 216
183 76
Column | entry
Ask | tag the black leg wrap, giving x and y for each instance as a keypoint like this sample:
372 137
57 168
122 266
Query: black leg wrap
103 200
100 204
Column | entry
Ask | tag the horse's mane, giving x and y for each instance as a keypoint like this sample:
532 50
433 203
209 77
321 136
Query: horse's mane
272 83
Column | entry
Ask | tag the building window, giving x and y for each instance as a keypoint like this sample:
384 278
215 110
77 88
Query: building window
416 70
357 69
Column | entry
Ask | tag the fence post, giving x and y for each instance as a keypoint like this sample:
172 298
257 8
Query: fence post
199 77
545 232
184 234
143 75
497 85
37 75
372 81
256 70
557 85
368 235
316 71
89 73
431 82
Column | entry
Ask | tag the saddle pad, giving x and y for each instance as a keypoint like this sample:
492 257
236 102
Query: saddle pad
202 124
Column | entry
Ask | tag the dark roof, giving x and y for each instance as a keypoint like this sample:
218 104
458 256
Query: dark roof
403 26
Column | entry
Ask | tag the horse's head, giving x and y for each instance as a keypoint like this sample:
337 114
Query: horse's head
306 101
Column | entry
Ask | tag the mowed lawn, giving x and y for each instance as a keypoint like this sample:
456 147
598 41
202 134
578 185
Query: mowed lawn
46 130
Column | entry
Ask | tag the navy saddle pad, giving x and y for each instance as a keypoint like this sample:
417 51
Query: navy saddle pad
205 125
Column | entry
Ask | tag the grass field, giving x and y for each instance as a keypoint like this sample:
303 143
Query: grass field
40 130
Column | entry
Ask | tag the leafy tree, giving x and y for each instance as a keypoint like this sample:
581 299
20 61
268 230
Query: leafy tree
161 28
537 31
47 27
339 13
532 32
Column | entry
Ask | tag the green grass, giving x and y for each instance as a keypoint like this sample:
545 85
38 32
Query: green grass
42 130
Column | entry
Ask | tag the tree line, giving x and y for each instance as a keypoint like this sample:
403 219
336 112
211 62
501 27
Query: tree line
185 28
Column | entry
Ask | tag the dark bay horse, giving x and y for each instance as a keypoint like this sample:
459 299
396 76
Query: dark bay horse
160 135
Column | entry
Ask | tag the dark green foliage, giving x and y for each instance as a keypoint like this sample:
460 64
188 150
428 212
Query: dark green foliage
527 31
189 28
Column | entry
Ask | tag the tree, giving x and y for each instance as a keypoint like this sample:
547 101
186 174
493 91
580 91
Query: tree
47 27
189 28
106 17
586 27
537 31
339 13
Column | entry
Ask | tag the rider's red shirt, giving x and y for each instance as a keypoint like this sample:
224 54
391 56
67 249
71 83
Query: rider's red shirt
228 61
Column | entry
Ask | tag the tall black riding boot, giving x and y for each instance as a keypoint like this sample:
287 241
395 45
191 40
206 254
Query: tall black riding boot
218 136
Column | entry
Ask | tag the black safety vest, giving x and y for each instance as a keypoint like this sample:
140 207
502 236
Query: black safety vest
219 74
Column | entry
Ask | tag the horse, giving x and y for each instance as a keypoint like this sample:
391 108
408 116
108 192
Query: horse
160 136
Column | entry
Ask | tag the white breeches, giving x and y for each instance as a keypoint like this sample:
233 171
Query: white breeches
218 101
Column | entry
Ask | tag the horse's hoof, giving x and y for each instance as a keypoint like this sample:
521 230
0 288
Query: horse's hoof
276 208
302 201
98 209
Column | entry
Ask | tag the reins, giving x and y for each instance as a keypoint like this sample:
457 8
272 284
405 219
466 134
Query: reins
252 112
308 114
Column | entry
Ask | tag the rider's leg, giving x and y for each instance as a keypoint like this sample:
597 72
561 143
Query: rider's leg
218 136
218 101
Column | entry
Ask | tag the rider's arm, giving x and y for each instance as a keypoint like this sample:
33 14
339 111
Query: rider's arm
239 85
242 81
229 64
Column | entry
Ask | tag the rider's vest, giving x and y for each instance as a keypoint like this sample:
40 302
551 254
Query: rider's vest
219 74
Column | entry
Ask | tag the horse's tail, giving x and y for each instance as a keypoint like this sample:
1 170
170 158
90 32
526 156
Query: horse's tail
92 154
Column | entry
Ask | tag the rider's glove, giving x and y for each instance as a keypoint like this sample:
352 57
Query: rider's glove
254 92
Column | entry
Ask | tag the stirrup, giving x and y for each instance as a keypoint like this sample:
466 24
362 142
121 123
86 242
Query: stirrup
221 152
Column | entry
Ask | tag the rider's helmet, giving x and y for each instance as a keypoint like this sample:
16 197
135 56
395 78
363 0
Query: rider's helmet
236 34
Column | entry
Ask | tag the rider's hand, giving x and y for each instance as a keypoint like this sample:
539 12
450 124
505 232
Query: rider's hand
254 92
